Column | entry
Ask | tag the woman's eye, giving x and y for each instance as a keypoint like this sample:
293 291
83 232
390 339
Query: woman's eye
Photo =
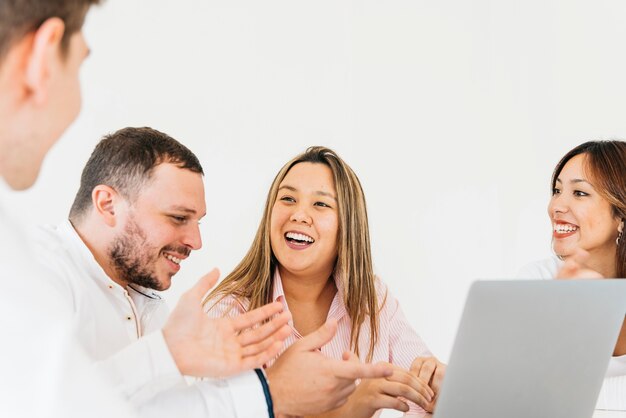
580 193
556 191
287 199
322 204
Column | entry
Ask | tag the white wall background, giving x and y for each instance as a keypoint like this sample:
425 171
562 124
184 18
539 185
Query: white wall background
453 113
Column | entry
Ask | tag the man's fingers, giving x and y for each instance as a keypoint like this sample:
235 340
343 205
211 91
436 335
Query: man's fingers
203 285
319 337
266 330
352 370
252 349
258 360
249 319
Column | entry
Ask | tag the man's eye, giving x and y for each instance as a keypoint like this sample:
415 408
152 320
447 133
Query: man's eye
179 219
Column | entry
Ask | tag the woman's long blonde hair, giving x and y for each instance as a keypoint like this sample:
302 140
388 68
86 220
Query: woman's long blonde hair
252 278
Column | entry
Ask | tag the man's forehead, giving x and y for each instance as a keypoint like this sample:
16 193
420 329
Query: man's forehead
170 175
173 188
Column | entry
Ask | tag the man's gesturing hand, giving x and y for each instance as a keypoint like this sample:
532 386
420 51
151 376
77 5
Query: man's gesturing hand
305 382
208 347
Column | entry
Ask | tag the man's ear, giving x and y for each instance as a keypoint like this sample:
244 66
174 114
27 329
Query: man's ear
44 51
104 200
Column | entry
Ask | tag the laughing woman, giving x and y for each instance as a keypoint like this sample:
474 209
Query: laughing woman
312 253
587 211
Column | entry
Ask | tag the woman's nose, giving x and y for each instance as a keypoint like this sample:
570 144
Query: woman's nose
558 204
301 216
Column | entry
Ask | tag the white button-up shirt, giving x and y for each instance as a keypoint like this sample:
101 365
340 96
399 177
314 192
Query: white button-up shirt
120 329
43 370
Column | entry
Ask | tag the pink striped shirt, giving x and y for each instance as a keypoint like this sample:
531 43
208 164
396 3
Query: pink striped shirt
397 343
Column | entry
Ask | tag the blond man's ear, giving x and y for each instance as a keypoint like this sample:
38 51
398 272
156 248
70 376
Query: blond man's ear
43 53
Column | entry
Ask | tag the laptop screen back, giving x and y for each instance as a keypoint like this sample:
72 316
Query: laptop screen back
532 349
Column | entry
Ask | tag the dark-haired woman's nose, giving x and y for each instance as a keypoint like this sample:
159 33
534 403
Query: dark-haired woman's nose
558 204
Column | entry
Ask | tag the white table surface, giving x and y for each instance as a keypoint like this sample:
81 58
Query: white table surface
389 413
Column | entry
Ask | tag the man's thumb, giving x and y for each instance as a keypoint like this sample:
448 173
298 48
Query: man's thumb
319 337
203 285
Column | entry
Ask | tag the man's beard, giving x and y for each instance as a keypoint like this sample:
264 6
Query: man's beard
134 259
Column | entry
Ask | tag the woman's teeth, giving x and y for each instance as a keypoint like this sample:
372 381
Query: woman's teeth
564 228
299 237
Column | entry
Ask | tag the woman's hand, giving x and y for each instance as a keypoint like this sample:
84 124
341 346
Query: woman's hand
385 393
575 267
431 371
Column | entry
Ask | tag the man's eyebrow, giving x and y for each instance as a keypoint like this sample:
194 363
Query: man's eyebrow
183 209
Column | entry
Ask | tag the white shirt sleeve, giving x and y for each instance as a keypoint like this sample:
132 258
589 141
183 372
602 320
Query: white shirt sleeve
238 397
142 369
146 375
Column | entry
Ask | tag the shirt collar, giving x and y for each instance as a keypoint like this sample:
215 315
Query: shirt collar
337 307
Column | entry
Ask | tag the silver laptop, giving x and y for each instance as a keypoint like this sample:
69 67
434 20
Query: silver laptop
532 349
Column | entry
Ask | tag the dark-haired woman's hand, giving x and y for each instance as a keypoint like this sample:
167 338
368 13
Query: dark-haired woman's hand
575 267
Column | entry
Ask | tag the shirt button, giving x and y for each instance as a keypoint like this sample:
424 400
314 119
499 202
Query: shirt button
129 318
110 286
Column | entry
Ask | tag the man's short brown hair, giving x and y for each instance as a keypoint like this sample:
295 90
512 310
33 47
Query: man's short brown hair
19 17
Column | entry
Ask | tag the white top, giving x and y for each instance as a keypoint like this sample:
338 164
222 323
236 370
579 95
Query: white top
43 370
613 393
121 330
